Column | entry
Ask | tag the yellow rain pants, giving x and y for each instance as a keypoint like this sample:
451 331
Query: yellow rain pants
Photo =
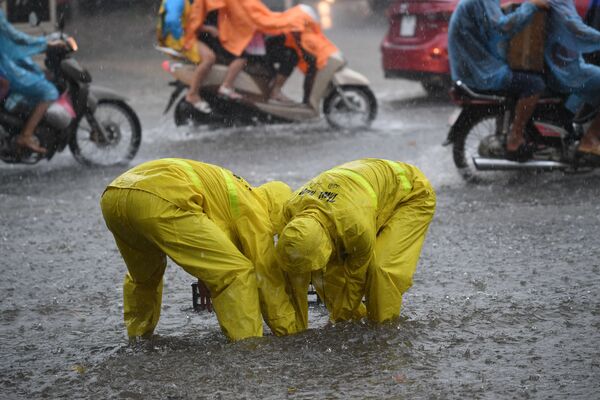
212 224
371 217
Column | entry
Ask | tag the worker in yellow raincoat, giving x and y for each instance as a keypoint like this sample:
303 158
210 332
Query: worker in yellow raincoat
216 227
356 231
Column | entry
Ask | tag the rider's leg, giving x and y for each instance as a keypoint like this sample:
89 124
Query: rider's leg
523 112
233 71
42 93
26 138
285 59
529 87
208 59
590 142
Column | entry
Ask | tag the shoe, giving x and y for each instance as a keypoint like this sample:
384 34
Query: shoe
523 153
201 106
229 93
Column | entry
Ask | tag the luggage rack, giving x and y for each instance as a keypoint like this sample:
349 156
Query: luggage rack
313 297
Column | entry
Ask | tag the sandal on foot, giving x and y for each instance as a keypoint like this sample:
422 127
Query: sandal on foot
32 145
229 93
201 106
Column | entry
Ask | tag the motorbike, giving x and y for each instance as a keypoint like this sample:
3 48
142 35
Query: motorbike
479 130
96 123
342 94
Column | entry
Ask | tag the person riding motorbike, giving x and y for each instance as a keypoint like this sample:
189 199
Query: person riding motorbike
26 78
312 47
216 227
282 60
239 22
175 18
477 40
568 37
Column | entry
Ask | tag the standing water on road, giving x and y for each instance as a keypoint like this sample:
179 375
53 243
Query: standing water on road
505 301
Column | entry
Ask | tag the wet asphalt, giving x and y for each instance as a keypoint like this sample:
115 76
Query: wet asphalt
505 302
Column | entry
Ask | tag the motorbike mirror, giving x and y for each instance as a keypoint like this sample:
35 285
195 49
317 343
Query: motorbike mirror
33 19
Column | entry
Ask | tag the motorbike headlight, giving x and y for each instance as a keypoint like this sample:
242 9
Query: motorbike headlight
72 43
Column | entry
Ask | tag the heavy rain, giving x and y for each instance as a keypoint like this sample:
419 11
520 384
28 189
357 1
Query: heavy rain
504 303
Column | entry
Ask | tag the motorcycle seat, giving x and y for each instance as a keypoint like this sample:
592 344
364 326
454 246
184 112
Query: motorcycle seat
462 93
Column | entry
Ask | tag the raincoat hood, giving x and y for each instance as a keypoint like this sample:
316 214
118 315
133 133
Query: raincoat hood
304 246
275 194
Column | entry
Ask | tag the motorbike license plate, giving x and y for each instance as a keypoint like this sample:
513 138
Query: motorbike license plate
408 25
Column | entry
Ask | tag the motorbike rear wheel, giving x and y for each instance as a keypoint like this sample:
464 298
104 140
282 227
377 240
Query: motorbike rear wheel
350 107
119 141
473 133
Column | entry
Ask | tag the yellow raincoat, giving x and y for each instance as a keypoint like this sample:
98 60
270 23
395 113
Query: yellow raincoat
216 227
356 230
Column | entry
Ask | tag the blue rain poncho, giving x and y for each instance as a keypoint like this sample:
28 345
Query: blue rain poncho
568 37
16 48
24 75
477 40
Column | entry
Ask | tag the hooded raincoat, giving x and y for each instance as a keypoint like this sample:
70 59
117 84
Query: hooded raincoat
568 37
477 40
356 230
216 227
24 75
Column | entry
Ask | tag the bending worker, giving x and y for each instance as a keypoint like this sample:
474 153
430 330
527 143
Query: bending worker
216 227
356 230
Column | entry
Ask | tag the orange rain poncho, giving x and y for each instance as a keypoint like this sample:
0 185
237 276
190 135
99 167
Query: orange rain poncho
239 20
356 230
313 41
197 15
212 224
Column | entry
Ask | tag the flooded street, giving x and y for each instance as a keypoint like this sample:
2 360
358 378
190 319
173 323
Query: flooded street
505 302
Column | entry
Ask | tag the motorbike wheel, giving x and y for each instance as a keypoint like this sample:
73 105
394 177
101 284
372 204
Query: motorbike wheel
360 111
474 133
119 144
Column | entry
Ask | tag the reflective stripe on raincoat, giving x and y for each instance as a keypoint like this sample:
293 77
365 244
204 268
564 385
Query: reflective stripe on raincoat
372 216
568 37
234 248
477 41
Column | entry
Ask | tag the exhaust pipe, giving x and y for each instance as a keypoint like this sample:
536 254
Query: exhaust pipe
489 164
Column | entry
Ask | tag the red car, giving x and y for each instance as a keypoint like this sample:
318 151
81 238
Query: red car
416 44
